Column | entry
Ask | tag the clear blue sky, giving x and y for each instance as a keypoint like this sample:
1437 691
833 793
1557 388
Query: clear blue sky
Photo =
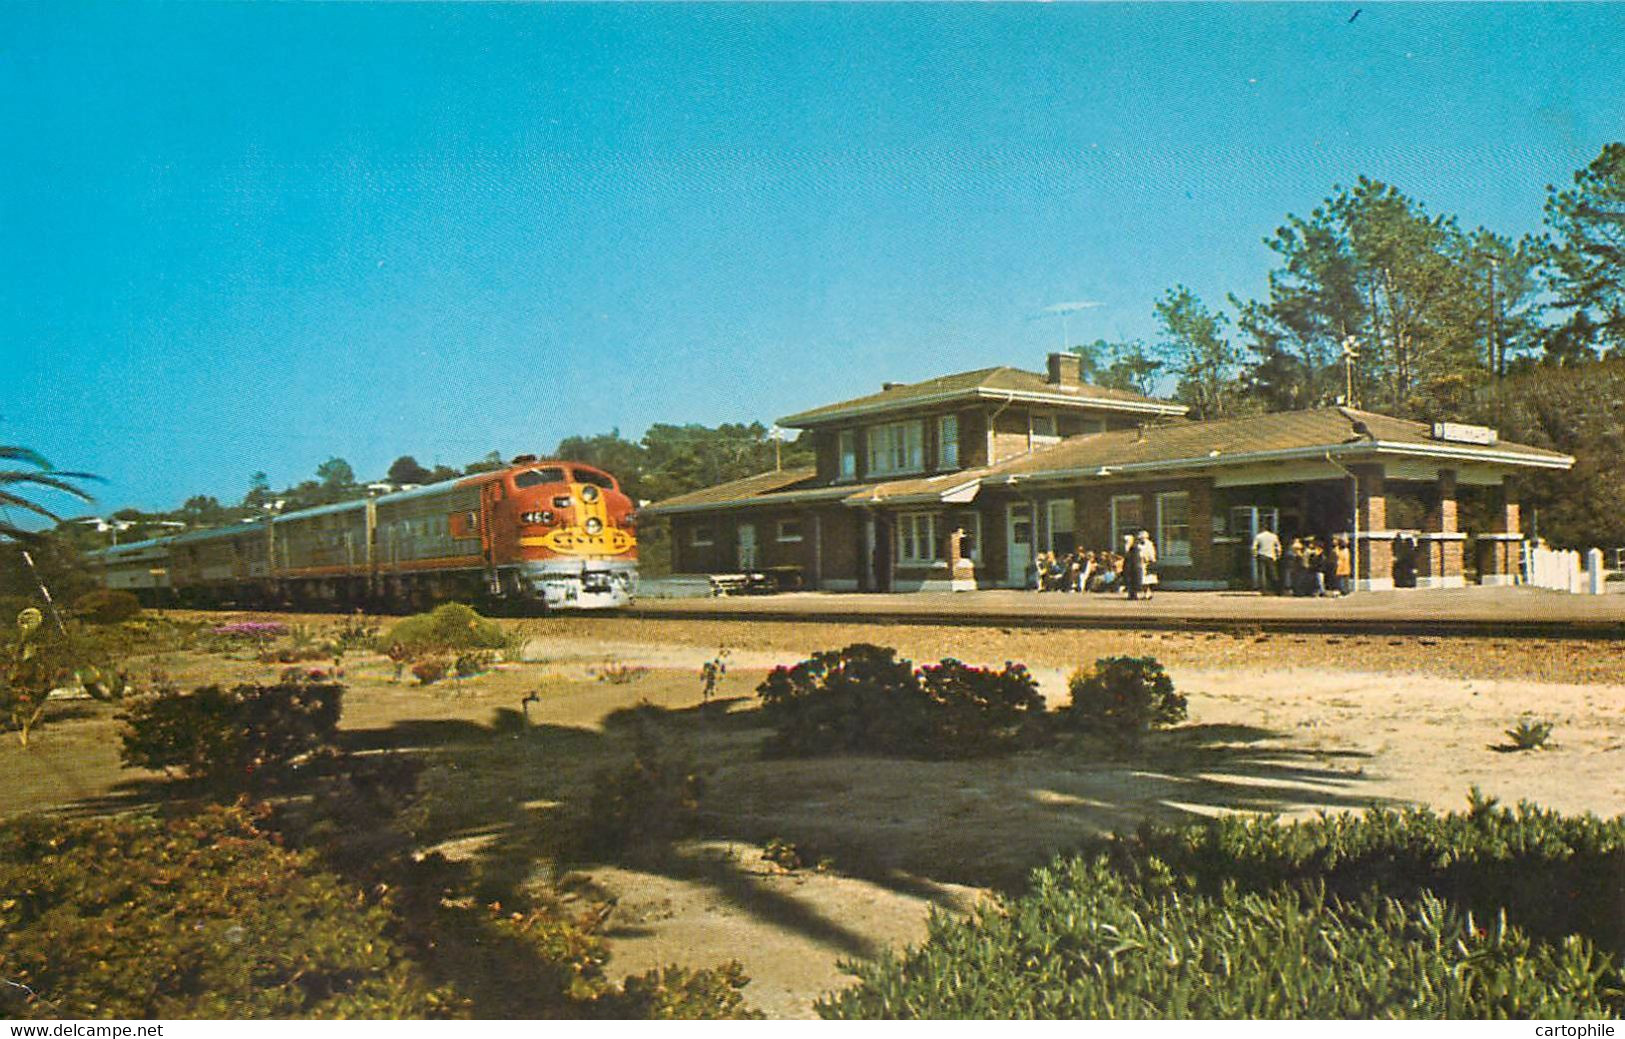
249 237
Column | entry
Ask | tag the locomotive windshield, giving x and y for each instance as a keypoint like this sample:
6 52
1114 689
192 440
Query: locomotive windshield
596 479
534 477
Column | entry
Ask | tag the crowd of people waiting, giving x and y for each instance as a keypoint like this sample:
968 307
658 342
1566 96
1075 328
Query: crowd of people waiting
1306 566
1309 566
1131 571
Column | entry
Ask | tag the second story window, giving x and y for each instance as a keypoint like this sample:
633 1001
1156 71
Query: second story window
847 448
896 448
948 442
1044 431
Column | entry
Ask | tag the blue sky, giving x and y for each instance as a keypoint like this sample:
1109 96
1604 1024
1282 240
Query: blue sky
248 237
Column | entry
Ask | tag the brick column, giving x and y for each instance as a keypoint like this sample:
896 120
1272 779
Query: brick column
1443 516
1439 548
961 571
1498 549
1374 555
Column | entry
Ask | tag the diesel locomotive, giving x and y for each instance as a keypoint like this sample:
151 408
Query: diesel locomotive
557 534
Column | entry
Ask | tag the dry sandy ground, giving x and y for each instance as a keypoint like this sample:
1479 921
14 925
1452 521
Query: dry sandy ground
1281 736
1282 724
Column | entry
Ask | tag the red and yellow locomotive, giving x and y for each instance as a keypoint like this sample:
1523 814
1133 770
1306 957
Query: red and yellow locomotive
555 533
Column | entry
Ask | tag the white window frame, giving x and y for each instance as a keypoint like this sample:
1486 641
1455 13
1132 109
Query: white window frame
946 458
846 454
780 536
1170 550
702 536
917 531
896 448
1117 530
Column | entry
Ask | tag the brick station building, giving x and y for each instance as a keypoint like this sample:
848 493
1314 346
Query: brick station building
957 482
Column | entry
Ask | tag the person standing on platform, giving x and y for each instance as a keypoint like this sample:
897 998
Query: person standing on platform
1267 560
1133 567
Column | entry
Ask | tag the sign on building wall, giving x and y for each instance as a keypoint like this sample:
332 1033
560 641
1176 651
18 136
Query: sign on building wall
1462 433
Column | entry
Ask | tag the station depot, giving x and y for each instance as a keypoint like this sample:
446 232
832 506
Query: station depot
959 482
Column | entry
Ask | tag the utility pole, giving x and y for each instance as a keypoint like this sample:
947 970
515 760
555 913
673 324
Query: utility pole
1497 368
1351 352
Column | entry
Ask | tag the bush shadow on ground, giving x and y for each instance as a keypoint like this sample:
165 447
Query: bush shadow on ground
513 794
507 797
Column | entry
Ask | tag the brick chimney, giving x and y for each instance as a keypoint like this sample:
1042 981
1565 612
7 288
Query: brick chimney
1065 369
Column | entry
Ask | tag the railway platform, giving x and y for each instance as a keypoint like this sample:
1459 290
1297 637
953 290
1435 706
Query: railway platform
1507 611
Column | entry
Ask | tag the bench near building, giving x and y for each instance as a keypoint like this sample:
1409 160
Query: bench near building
956 482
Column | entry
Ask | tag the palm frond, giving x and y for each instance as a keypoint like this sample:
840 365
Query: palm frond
19 534
45 480
20 502
23 454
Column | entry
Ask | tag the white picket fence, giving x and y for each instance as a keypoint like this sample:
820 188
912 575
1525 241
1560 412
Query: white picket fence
1564 570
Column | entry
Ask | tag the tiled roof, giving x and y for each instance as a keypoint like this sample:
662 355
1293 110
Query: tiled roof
1179 443
990 382
1219 440
735 490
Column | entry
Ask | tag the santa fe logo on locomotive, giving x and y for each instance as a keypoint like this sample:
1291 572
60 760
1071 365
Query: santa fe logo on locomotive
575 541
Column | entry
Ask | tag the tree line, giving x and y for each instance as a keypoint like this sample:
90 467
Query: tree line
1378 303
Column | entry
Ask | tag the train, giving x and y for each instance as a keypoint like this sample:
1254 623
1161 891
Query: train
558 535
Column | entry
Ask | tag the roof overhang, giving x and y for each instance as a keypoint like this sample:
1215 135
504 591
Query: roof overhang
956 494
1146 407
835 493
1346 450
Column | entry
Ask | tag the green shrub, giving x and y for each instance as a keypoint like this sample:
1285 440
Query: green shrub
1123 697
196 917
674 993
643 805
1554 874
978 711
106 606
448 628
474 662
1089 941
1529 734
864 699
355 632
234 737
430 671
37 657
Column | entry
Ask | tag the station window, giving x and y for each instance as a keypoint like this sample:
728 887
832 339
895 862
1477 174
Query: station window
1043 427
1174 527
1125 518
701 537
847 447
917 538
898 447
789 530
948 442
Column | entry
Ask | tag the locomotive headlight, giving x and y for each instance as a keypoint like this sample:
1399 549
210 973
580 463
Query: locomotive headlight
589 494
594 524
